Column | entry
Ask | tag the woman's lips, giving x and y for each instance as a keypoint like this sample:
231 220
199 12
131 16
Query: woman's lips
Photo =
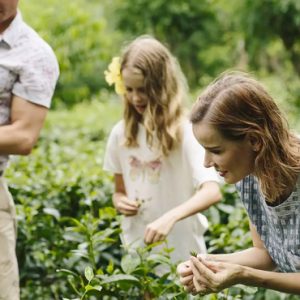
222 173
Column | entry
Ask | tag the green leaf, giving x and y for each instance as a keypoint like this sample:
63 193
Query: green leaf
130 262
89 287
120 277
158 258
52 211
67 272
225 208
89 273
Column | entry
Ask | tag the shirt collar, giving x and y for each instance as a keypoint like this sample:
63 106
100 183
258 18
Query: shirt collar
11 33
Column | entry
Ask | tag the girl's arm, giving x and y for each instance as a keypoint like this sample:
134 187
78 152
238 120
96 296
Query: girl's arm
120 201
208 194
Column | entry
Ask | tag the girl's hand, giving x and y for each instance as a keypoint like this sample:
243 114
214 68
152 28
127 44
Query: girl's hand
212 276
125 206
159 229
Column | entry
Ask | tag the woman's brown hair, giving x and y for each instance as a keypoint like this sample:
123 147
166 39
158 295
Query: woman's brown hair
237 106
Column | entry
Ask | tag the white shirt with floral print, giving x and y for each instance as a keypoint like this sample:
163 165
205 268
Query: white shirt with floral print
159 184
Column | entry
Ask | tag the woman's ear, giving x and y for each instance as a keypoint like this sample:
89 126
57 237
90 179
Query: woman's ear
254 141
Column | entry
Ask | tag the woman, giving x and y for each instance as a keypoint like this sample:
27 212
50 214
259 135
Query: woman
247 140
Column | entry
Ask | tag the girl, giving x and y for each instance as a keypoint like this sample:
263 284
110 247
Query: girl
247 140
156 161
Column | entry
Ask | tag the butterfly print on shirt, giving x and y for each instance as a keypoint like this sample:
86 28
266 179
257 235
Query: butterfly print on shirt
149 170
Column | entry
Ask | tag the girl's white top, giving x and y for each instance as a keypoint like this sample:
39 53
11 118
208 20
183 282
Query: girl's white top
160 183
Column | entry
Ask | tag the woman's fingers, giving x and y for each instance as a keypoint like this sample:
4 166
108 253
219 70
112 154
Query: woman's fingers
184 269
186 280
200 269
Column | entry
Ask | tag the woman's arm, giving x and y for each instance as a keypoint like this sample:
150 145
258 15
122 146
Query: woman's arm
256 257
212 276
204 276
283 282
208 194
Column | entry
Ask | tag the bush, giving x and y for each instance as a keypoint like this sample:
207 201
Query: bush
82 40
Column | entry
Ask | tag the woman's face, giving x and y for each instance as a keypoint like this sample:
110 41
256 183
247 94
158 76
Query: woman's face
135 89
232 159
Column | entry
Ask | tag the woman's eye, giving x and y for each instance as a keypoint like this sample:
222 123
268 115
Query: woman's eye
215 151
128 89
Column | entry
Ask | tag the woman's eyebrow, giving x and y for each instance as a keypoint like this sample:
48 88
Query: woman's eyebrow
212 147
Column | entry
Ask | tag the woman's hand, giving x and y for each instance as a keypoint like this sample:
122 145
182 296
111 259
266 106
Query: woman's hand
125 206
159 229
212 276
186 276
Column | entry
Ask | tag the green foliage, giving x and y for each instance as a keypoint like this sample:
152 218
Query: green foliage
63 177
80 35
229 228
208 37
68 244
267 20
190 28
68 241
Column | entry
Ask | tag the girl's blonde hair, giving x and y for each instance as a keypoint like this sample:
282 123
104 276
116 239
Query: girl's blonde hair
165 87
237 105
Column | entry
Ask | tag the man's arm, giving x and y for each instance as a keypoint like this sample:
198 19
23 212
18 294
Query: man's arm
21 134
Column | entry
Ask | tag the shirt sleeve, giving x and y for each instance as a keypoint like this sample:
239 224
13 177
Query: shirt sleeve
194 155
37 76
112 161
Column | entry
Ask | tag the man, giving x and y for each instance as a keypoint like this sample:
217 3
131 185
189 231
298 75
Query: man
28 74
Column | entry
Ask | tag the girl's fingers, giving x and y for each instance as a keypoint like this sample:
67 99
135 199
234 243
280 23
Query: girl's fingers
153 237
130 203
149 236
128 213
127 209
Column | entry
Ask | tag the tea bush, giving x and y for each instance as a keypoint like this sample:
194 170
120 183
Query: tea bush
68 239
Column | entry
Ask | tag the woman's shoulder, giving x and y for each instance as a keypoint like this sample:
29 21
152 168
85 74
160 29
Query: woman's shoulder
247 186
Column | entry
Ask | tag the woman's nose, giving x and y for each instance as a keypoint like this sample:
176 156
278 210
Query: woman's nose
208 160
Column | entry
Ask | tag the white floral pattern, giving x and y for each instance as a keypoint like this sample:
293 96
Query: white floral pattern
28 69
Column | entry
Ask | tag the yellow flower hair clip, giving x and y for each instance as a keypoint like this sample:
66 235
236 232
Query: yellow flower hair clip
113 75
